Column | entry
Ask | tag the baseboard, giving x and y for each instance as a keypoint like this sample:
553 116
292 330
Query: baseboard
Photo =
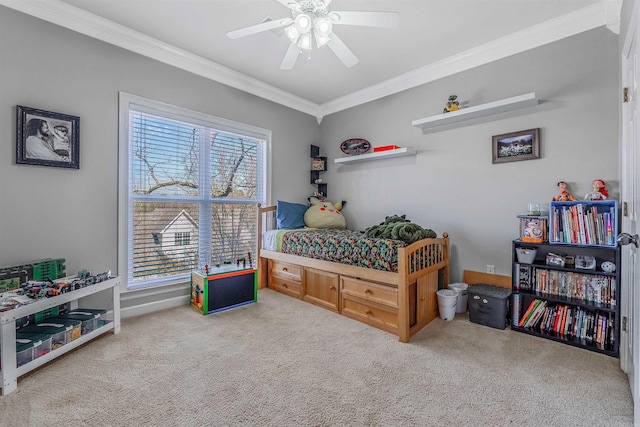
150 307
476 277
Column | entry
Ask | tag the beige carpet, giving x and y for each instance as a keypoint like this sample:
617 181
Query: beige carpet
284 362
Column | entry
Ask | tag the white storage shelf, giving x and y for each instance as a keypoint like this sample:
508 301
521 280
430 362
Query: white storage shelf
491 108
398 152
9 373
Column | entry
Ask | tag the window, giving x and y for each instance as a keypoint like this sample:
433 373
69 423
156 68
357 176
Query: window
182 239
189 188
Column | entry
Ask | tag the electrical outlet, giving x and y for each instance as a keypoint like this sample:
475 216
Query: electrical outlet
491 269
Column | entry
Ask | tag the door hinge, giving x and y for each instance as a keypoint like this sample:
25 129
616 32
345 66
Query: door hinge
625 94
624 323
625 209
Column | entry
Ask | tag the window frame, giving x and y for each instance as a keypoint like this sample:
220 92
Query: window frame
182 238
146 105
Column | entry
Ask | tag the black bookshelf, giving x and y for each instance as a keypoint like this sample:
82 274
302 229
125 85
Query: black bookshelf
577 306
318 165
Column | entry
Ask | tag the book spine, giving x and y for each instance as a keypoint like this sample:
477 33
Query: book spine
535 317
613 292
567 324
563 321
532 314
545 318
576 326
552 318
558 319
580 218
528 312
515 311
599 329
614 226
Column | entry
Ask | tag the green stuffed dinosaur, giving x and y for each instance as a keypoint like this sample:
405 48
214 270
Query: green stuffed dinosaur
399 228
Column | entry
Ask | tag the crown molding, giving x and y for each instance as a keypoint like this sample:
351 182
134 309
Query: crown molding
603 13
613 12
78 20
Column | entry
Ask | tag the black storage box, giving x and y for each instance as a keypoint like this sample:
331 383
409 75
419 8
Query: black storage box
489 305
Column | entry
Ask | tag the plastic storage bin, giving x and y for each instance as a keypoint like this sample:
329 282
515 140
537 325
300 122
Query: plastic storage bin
30 347
526 255
95 311
489 305
41 343
59 333
88 321
76 326
24 351
462 296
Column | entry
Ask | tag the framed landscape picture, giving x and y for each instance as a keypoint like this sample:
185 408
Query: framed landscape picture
45 138
515 146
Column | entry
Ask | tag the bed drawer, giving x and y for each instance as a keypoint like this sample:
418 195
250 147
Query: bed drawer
285 270
375 315
321 288
288 287
385 295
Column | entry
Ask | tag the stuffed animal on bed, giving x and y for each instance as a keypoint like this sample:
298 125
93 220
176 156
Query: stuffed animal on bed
322 214
399 228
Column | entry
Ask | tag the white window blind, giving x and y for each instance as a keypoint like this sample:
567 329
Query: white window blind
193 183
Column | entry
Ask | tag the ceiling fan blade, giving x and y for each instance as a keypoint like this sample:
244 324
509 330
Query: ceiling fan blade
367 19
290 57
342 51
253 29
291 4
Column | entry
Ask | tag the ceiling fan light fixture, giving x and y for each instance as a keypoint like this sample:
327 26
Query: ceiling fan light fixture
322 26
312 19
305 41
292 33
320 39
303 23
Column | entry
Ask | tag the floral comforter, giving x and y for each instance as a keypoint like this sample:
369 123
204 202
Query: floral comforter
343 246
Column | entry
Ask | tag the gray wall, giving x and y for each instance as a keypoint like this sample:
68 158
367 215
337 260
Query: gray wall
72 214
451 185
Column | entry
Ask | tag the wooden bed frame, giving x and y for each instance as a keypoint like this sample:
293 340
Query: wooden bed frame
401 303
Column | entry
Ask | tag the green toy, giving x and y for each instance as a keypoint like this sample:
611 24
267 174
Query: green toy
399 228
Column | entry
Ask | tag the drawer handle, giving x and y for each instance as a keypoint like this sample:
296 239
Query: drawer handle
367 311
284 285
284 269
367 291
332 288
421 298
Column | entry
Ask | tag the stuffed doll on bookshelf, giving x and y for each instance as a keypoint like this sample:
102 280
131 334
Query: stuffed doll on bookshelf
564 195
599 191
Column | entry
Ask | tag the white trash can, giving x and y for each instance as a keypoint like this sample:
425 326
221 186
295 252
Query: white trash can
447 303
462 294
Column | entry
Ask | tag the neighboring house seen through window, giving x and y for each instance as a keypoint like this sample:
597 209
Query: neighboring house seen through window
190 185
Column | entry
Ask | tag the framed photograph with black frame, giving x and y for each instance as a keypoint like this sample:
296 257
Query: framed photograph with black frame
516 146
45 138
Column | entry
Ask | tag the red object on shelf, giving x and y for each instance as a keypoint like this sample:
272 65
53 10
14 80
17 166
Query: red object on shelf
385 148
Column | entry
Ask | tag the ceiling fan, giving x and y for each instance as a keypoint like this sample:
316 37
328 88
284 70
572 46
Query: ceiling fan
312 19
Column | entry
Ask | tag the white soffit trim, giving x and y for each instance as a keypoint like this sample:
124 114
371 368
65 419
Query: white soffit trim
65 15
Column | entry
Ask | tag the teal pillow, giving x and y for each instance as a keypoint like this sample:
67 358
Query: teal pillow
290 215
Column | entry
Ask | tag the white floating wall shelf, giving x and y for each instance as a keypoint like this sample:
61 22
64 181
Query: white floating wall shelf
491 108
398 152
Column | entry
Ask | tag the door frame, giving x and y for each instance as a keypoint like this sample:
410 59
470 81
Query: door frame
630 195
